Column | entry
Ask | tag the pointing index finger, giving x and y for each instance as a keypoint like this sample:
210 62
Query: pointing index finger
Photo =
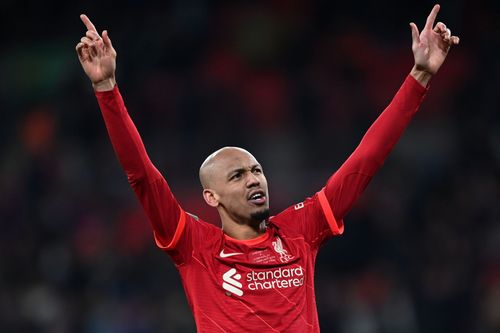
432 17
87 23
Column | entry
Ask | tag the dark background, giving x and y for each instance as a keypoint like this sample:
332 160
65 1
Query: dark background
295 82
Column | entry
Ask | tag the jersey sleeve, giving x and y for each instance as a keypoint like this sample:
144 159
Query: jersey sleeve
347 184
311 219
166 216
322 216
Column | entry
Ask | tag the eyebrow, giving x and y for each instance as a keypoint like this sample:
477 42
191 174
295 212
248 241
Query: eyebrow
239 170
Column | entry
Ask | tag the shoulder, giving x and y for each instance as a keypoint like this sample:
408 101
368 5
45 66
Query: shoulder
294 216
196 236
195 222
298 210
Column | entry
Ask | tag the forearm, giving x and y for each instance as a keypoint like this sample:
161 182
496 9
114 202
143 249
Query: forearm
125 138
384 133
348 183
148 184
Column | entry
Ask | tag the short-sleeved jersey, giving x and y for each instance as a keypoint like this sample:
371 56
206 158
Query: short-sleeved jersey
264 284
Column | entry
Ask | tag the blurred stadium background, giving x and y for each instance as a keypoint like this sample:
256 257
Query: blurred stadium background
295 82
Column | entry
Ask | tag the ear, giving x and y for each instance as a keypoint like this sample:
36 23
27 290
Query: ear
211 198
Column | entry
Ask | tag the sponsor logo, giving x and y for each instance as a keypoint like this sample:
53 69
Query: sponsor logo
278 247
263 280
225 255
231 282
279 278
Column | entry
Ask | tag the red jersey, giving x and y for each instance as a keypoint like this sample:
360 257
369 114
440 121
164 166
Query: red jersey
264 284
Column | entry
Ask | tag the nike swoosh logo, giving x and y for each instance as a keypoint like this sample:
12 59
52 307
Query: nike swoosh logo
225 255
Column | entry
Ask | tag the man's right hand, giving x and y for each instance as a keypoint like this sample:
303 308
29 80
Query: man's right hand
97 56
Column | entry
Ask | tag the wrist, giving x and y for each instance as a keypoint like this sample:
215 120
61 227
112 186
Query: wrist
105 85
422 76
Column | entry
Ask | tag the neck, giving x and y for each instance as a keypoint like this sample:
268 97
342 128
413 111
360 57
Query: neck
242 231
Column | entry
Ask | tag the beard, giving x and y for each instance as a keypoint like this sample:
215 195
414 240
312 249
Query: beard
260 216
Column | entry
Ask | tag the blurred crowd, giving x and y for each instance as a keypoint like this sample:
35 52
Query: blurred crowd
297 83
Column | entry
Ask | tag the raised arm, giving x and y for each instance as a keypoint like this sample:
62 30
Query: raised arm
98 59
430 48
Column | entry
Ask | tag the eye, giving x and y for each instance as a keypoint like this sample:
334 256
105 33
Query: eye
257 170
236 176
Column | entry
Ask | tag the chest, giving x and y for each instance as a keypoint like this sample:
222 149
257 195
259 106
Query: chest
280 265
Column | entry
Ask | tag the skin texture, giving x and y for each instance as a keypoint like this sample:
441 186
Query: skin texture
240 216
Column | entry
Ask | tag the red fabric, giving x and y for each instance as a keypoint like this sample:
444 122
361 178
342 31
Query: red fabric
266 284
148 184
346 185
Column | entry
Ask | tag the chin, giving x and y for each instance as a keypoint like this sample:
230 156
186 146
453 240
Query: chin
260 215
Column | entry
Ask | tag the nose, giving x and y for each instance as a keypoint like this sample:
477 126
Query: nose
252 180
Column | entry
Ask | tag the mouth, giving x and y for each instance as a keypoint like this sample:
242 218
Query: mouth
257 198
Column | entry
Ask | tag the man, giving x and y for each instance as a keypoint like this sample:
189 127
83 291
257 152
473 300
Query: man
257 272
